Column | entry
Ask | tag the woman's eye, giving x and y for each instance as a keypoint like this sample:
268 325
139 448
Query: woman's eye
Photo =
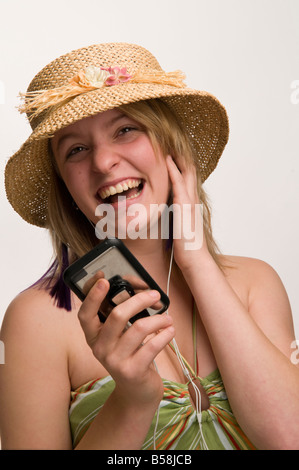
75 151
128 131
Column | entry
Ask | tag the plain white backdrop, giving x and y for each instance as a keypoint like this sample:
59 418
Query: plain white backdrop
245 52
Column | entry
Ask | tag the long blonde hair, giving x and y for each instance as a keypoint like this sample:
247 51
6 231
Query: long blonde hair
69 226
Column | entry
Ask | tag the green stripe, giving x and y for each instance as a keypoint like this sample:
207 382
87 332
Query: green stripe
176 412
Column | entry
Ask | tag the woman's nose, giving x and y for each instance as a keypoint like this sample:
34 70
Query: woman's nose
104 159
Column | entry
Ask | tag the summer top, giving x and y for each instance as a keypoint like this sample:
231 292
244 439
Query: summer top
176 425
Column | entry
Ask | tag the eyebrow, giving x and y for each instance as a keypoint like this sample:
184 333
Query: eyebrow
65 137
71 135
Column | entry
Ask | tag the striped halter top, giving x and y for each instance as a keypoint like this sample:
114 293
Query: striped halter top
177 425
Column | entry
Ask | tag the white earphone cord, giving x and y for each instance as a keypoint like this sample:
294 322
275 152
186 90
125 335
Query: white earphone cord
186 373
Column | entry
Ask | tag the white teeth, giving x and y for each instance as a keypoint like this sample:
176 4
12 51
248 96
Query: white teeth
134 195
119 188
112 190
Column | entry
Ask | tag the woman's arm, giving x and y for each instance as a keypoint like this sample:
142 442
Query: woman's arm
251 345
253 350
34 383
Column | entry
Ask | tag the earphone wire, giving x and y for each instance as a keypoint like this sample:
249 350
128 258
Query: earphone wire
185 371
167 293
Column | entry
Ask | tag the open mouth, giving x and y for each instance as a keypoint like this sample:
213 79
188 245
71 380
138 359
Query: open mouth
129 188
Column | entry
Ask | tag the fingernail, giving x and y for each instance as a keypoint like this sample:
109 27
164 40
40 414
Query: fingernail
100 284
154 293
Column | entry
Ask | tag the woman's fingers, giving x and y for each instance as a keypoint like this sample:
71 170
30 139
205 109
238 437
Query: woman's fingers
136 364
174 173
121 315
88 284
88 313
136 282
127 355
103 338
140 330
147 353
184 182
138 347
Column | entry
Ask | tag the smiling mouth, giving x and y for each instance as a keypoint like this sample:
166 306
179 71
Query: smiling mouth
130 189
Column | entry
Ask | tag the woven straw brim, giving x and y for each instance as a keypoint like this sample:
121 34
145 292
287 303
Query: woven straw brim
28 172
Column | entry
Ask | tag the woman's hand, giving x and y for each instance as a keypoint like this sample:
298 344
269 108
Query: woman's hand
127 354
188 233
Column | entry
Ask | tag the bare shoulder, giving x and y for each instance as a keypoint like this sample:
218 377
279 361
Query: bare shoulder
33 297
34 311
262 292
239 266
34 326
251 273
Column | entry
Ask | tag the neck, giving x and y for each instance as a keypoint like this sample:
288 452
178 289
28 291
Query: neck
151 254
155 259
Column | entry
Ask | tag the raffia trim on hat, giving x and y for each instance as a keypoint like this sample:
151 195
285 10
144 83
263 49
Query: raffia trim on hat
91 79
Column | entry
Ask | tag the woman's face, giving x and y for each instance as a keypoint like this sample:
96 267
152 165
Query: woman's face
106 156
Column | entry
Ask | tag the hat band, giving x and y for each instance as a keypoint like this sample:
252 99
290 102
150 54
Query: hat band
93 78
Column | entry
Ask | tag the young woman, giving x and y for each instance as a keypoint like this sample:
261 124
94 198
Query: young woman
214 371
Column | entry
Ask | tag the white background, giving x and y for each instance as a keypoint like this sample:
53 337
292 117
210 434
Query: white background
245 52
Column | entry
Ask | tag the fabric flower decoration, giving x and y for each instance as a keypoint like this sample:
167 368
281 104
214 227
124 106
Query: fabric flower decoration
117 75
96 76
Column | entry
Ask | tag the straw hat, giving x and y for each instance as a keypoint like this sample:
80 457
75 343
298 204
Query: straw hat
91 80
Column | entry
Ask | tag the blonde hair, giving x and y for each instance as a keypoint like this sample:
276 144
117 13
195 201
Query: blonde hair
69 226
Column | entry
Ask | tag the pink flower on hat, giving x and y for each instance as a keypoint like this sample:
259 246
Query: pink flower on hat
117 75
